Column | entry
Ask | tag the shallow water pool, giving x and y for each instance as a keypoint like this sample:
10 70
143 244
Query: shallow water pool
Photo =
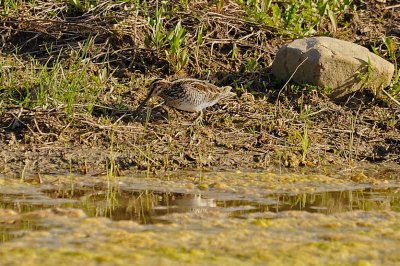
209 218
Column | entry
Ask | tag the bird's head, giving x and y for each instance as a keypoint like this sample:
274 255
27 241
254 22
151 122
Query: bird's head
157 86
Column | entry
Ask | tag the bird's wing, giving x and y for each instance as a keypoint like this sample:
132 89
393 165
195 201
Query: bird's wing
198 85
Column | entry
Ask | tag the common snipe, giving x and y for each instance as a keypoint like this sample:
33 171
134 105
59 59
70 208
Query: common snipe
187 94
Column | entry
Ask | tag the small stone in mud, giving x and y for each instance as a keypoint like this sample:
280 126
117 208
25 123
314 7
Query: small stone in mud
202 186
218 186
190 186
359 177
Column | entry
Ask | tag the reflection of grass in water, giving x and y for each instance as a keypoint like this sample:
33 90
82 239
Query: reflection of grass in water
9 231
145 200
143 206
334 202
112 183
111 194
395 203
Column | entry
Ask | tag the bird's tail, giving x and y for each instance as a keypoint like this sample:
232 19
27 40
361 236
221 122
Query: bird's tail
227 92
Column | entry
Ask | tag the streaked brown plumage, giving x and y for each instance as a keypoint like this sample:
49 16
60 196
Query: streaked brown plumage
187 94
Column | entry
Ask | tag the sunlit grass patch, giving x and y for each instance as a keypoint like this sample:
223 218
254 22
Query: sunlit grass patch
296 18
72 83
8 6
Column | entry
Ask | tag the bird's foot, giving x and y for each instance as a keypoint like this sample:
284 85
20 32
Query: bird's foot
199 120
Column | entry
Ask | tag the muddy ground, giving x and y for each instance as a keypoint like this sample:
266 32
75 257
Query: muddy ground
258 129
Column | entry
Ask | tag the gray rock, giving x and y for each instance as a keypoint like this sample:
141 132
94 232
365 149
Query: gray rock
339 65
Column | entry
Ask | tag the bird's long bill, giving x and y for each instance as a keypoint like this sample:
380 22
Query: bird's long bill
142 104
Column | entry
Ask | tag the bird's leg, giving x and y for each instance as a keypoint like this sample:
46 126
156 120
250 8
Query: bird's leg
176 112
168 110
199 119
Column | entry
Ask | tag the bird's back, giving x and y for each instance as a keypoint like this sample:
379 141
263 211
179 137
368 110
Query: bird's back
193 95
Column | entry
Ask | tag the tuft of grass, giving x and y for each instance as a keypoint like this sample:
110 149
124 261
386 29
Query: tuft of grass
251 65
81 6
184 3
305 143
177 55
393 53
8 6
295 18
71 83
219 4
157 37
